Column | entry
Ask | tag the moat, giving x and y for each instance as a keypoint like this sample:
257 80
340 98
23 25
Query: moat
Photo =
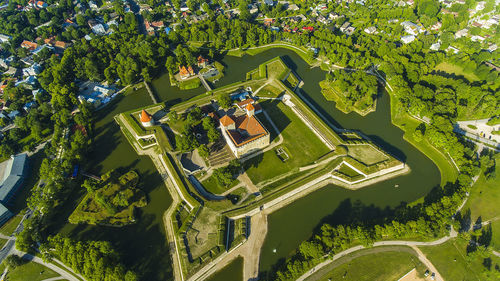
144 245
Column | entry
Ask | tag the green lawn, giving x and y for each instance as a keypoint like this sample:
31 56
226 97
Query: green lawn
376 266
451 260
366 154
301 144
30 271
212 186
348 171
11 225
483 201
2 243
457 70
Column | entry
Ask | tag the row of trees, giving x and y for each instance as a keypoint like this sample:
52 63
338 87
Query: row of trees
96 260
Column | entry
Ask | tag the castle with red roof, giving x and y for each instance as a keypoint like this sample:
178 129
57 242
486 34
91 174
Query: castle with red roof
245 133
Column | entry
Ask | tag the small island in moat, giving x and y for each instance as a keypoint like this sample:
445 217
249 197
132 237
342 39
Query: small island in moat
111 201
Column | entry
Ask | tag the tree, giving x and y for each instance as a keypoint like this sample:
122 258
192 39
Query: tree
203 151
224 101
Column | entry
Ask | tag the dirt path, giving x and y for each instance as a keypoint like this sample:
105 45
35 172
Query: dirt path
243 177
427 263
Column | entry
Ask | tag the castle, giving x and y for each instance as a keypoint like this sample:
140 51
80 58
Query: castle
245 134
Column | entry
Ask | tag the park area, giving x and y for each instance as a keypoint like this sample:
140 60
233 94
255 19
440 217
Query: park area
301 145
457 70
454 263
483 203
381 263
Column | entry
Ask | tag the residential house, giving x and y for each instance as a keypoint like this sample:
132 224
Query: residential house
452 49
350 30
269 2
436 26
344 26
202 62
41 5
29 45
33 70
62 45
435 46
92 5
412 28
370 30
4 38
461 33
406 39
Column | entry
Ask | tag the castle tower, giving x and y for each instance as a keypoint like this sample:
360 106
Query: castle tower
250 110
146 119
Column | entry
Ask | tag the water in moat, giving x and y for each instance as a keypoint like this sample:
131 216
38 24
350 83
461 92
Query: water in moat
144 245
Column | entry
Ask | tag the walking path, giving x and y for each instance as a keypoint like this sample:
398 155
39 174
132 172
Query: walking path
204 82
55 278
150 92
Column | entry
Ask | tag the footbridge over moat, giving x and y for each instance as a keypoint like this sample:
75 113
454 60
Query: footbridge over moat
204 82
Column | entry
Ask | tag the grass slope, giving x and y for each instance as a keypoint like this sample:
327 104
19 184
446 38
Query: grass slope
483 202
378 266
30 271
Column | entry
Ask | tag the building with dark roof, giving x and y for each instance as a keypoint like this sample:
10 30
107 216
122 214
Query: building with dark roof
14 173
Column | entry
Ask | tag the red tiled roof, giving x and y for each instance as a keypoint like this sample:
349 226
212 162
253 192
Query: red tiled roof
29 45
248 129
242 104
226 120
145 117
250 107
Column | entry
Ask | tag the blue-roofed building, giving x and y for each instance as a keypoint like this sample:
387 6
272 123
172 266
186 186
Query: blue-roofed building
14 172
167 30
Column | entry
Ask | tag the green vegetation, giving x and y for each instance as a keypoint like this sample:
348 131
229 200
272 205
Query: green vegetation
110 202
303 146
348 171
9 227
483 202
494 121
454 262
351 91
190 84
472 127
30 271
363 265
457 70
96 260
292 81
405 122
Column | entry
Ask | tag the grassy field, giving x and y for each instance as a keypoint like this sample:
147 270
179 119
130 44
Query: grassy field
483 202
11 225
30 271
457 70
451 260
2 243
299 142
366 154
377 266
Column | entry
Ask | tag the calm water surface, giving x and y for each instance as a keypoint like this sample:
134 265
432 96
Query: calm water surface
144 245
